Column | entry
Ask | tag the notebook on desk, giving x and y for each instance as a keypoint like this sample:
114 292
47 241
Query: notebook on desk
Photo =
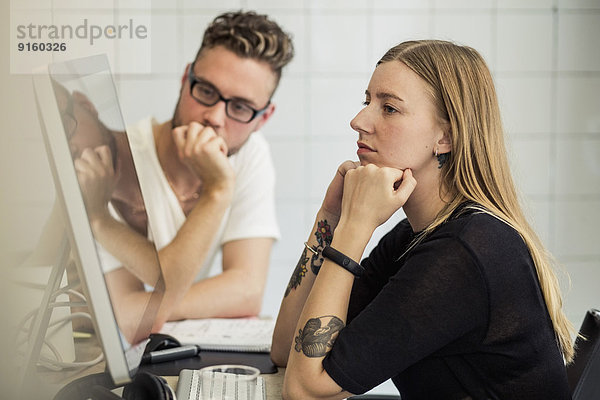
223 341
250 335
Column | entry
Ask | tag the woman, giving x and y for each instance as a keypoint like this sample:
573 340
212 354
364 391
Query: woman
459 300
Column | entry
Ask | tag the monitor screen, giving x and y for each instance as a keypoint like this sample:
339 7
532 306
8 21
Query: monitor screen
79 109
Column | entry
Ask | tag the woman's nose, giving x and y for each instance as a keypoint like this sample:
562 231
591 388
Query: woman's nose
359 122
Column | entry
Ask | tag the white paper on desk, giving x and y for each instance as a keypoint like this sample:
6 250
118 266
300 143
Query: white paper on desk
224 334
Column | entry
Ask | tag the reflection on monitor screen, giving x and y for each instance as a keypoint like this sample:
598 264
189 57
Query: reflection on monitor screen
84 131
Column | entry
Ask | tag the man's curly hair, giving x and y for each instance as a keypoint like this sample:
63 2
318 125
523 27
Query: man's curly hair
250 35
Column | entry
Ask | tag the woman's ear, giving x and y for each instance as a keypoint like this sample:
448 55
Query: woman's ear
444 143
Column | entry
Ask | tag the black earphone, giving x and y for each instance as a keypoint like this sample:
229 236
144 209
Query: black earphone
146 386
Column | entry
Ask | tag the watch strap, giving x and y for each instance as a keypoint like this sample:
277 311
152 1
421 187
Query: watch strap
343 261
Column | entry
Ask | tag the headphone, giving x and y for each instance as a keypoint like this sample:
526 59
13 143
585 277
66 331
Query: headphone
144 386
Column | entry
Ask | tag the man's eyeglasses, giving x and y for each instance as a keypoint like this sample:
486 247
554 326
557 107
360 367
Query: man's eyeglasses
68 118
208 95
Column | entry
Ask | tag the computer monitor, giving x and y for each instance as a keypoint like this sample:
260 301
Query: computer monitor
54 86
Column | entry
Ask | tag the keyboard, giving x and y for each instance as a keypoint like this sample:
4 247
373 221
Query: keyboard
189 387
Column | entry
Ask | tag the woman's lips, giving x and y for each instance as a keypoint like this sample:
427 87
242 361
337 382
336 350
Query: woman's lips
363 148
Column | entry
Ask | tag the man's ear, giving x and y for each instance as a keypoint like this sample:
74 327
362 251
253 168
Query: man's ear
264 117
83 101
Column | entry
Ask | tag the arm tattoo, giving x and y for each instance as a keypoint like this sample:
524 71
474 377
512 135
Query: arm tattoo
315 340
324 237
298 273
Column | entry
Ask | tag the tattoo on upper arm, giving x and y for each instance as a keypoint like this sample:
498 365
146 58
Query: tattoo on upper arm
298 273
316 340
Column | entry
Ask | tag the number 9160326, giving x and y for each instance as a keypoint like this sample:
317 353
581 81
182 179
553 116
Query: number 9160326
43 46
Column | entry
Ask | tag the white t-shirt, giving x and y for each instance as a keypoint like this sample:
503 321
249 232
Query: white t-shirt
250 215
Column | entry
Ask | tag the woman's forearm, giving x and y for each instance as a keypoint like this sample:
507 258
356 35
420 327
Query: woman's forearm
322 317
300 284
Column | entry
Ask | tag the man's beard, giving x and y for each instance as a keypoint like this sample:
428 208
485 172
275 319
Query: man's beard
176 120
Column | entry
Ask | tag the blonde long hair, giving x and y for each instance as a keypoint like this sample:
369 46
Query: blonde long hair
477 170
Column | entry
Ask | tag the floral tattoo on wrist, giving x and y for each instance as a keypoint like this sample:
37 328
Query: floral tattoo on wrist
324 237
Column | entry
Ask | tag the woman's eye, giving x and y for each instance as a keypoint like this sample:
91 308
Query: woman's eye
389 110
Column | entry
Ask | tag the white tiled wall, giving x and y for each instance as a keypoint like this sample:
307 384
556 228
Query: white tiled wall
545 56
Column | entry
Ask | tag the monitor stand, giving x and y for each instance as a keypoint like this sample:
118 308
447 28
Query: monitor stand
56 242
40 322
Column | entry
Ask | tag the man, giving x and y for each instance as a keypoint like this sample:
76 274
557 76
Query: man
207 180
